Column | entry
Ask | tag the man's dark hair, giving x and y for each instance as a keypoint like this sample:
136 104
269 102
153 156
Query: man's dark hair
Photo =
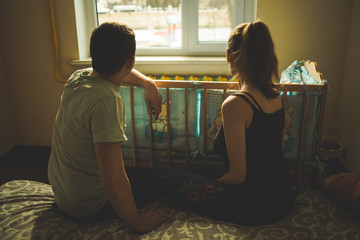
111 45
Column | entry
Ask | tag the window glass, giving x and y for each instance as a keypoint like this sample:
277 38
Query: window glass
215 20
167 27
156 23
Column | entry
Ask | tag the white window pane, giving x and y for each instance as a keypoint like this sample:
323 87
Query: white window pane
156 23
215 20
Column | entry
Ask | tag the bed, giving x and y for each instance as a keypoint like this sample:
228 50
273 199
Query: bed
28 211
183 139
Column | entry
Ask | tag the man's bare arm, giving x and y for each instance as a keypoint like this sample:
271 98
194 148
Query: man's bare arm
118 189
152 95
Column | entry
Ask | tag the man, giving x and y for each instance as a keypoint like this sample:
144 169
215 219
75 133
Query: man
86 168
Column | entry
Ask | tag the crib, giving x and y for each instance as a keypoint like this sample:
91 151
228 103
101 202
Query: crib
182 137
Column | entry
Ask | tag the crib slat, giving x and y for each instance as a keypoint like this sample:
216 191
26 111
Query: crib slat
168 126
300 171
133 126
205 119
150 117
314 172
225 94
284 99
151 142
284 102
187 128
324 89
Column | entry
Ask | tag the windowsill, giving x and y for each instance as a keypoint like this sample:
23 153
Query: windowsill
174 65
168 60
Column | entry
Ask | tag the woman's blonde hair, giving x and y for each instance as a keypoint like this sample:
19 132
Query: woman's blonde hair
253 56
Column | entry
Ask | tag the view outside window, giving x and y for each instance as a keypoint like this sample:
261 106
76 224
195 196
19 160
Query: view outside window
157 23
215 20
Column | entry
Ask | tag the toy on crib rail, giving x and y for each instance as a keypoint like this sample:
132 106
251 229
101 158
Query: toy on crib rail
160 124
288 141
164 77
177 77
313 70
207 79
303 72
193 78
222 79
216 126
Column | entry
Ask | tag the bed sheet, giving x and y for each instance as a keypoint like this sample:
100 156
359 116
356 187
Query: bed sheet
28 211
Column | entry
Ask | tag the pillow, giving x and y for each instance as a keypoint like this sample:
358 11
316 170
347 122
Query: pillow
345 187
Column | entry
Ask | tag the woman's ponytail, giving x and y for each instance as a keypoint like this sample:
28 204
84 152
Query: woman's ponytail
253 56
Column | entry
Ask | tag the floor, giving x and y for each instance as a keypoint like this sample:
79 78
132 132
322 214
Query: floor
26 163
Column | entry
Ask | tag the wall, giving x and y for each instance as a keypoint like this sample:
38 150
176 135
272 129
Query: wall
28 63
348 130
7 130
315 30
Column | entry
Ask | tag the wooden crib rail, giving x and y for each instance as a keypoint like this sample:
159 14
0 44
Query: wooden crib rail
225 86
234 85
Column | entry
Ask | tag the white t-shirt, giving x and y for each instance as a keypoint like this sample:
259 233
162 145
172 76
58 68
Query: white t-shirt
91 111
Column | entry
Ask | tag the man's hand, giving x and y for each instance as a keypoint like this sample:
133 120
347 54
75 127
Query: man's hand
152 95
149 220
153 98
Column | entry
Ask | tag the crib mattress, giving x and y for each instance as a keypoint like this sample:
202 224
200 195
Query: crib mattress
27 211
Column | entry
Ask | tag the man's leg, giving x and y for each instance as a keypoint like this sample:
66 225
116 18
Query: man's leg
144 184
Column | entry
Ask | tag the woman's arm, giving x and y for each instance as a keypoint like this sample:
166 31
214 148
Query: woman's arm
152 95
118 189
236 115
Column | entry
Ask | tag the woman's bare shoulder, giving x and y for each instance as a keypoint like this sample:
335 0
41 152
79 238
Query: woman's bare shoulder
238 109
234 102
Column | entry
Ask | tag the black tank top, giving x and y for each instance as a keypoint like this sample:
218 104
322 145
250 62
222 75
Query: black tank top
266 167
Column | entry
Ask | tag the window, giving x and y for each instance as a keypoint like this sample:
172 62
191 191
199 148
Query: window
167 27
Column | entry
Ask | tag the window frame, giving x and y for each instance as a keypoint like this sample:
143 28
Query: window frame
86 21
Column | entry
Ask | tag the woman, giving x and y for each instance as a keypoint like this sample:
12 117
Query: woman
254 190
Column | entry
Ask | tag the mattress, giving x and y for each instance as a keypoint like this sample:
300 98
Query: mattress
28 211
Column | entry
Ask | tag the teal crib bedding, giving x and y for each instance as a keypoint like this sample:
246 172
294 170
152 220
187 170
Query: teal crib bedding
292 131
160 127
